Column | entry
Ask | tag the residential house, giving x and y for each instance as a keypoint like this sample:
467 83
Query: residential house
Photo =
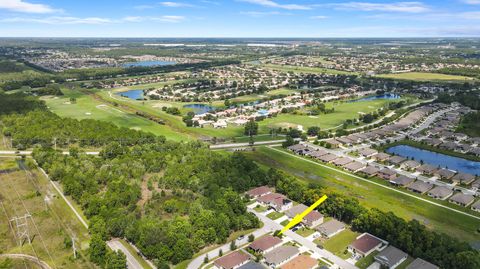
369 171
354 166
280 256
259 191
367 152
410 165
251 265
333 143
313 219
463 178
299 149
476 206
301 262
342 161
476 185
444 174
421 264
402 181
330 228
365 244
277 201
345 141
317 153
462 199
328 158
381 157
387 174
427 169
440 192
420 186
232 261
391 257
265 244
396 160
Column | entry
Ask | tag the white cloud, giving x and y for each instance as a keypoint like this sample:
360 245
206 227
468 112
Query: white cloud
259 13
25 7
407 7
169 18
268 3
58 20
472 2
319 17
175 4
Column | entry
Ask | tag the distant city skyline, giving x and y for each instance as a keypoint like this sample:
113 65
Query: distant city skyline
239 18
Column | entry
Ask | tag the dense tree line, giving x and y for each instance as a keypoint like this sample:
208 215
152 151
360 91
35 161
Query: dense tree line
470 124
46 128
19 103
194 200
470 99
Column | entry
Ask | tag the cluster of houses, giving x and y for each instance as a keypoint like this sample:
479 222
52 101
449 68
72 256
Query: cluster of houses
363 167
442 135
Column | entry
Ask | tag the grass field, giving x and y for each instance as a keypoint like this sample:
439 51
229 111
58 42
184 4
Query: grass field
50 224
439 219
87 107
364 262
275 215
302 69
343 111
339 243
305 232
423 76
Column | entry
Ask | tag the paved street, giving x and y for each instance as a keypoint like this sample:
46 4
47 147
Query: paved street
132 263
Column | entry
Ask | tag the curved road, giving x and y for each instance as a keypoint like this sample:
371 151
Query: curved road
35 260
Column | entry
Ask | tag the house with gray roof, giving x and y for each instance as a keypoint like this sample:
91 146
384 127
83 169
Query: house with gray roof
313 218
369 171
426 169
342 161
330 228
252 265
391 257
317 153
410 165
367 152
387 174
463 178
421 264
440 192
299 149
420 186
396 160
402 181
462 199
328 158
354 166
476 206
281 255
381 157
444 174
476 184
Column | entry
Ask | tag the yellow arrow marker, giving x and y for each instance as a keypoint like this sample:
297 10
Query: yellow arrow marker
298 218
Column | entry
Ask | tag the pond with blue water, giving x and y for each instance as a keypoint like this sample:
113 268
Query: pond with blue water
148 63
132 94
199 108
436 159
386 96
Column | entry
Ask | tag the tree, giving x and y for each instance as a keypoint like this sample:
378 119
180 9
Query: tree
97 250
220 253
115 260
251 128
251 237
288 142
313 130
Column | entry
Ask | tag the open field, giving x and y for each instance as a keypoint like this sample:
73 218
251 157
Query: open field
51 223
301 69
339 243
87 107
435 217
424 76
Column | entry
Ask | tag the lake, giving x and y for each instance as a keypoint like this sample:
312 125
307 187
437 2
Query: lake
132 94
386 96
148 63
199 108
437 159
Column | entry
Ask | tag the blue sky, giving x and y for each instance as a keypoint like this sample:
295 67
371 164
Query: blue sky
239 18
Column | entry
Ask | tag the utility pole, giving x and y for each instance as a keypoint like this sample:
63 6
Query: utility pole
21 224
74 248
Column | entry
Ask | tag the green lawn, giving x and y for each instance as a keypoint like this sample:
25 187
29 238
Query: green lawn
275 215
305 232
87 107
285 222
260 209
440 219
424 76
364 262
338 244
